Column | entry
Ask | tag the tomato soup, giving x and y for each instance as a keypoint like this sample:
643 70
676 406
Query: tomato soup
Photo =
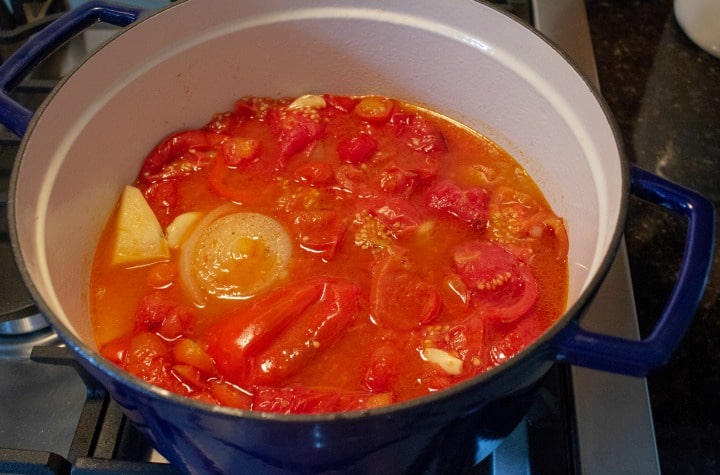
325 253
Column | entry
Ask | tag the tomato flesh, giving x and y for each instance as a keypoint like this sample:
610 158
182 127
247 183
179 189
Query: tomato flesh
415 257
501 285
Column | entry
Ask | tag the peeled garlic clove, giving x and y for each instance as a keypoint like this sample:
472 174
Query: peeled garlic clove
308 101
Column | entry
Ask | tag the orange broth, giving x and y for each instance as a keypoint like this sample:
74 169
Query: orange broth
345 253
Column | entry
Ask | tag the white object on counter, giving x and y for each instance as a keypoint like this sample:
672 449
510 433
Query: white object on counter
700 19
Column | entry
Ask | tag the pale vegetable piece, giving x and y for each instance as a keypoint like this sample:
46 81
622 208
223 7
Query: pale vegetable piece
308 101
181 227
233 256
139 236
447 362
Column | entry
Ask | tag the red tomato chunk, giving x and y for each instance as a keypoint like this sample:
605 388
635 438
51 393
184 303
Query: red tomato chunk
325 253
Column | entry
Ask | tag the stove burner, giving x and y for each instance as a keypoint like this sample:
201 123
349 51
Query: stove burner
19 346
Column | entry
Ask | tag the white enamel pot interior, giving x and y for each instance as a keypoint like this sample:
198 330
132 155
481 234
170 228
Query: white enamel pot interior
175 69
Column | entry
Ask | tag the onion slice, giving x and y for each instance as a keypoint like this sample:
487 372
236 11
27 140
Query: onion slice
233 255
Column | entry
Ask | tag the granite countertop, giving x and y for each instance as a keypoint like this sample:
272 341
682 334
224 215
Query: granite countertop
665 95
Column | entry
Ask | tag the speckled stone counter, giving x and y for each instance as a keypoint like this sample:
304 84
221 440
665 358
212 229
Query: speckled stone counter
665 95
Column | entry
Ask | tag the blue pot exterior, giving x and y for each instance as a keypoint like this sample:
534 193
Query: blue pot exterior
439 434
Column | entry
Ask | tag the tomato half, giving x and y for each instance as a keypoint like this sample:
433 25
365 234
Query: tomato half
400 298
501 286
184 145
281 331
319 232
417 133
469 205
357 150
310 333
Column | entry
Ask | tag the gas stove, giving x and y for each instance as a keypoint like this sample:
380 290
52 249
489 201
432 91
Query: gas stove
54 418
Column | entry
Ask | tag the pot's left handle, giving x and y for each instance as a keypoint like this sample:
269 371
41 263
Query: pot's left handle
13 115
581 347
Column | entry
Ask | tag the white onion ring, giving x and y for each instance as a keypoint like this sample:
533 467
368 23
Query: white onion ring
210 263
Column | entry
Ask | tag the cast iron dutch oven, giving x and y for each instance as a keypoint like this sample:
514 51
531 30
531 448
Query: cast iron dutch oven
173 69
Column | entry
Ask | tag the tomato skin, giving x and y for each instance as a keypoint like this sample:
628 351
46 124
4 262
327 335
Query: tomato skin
401 299
239 150
469 205
417 133
545 221
147 358
399 215
522 333
502 287
229 395
315 173
153 309
357 150
303 400
173 148
218 182
116 350
188 351
295 131
235 339
382 369
319 232
309 334
341 103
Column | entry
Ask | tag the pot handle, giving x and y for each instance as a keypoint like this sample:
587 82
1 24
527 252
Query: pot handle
38 47
636 358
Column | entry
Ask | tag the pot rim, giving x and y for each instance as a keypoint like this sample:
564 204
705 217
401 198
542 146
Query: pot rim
542 346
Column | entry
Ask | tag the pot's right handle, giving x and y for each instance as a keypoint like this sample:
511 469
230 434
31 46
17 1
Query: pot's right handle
13 115
636 358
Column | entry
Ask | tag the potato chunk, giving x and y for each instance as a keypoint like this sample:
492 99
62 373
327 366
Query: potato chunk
140 238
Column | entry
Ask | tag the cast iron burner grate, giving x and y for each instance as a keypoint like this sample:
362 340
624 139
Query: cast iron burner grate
105 442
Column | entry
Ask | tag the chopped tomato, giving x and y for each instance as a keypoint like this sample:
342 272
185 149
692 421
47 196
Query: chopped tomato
399 297
341 103
502 287
296 129
188 375
190 352
303 400
399 215
319 232
147 358
546 221
374 109
175 147
358 149
153 309
315 173
230 395
522 332
469 205
238 150
117 349
417 132
382 369
398 182
219 182
352 179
